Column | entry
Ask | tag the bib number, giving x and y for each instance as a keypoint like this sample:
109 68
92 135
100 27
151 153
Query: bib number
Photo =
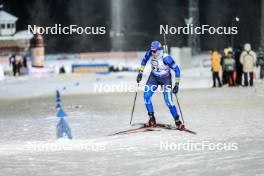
155 68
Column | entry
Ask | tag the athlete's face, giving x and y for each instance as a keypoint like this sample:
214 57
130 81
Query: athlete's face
154 53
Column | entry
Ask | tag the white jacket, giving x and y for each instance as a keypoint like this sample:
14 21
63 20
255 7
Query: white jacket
248 59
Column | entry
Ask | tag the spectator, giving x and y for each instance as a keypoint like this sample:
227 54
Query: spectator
25 61
215 67
62 70
260 63
19 64
224 75
12 61
248 60
239 67
24 70
229 67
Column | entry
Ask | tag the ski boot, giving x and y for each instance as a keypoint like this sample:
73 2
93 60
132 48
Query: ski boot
179 124
152 120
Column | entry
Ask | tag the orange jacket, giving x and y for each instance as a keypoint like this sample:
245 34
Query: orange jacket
215 61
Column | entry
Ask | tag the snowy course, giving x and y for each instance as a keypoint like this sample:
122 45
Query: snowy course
28 146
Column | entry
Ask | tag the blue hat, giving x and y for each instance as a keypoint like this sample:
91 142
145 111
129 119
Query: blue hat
155 45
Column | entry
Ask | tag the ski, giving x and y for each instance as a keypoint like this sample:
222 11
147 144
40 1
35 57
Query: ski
145 128
167 127
142 128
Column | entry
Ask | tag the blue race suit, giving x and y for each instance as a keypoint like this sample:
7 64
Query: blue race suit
160 75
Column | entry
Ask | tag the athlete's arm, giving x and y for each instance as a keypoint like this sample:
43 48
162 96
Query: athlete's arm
170 62
144 61
142 66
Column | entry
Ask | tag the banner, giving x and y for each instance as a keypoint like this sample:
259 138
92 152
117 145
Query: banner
90 68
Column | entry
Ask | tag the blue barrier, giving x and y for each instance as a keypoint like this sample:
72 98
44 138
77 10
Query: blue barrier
63 129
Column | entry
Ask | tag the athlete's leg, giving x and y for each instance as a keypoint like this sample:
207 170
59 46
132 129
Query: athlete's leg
167 93
168 100
150 88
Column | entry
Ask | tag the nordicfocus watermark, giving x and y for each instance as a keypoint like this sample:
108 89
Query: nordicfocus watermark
200 30
125 87
58 29
198 146
65 146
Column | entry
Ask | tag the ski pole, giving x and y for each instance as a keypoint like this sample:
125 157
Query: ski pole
133 106
165 43
166 50
179 107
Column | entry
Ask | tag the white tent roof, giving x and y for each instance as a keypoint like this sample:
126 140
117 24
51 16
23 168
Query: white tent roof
7 17
24 35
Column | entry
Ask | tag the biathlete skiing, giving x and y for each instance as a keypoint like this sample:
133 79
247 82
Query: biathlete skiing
161 64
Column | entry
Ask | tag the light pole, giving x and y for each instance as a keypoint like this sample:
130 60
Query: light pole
234 20
193 13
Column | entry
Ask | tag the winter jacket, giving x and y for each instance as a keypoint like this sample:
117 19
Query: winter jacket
248 59
228 64
261 61
215 61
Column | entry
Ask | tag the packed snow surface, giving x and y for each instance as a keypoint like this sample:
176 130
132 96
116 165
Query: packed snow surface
229 122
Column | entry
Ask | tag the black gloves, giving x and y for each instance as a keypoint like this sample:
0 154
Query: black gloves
139 77
175 89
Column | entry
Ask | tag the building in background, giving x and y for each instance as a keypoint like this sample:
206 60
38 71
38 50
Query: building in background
10 40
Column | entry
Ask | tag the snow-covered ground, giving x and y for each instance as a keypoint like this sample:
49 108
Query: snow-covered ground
46 84
225 117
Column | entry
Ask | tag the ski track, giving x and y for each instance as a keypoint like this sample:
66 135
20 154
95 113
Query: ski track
227 115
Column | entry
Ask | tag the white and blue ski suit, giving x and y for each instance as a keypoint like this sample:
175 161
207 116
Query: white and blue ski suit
160 75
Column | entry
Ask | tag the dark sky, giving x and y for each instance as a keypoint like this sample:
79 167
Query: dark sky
141 21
